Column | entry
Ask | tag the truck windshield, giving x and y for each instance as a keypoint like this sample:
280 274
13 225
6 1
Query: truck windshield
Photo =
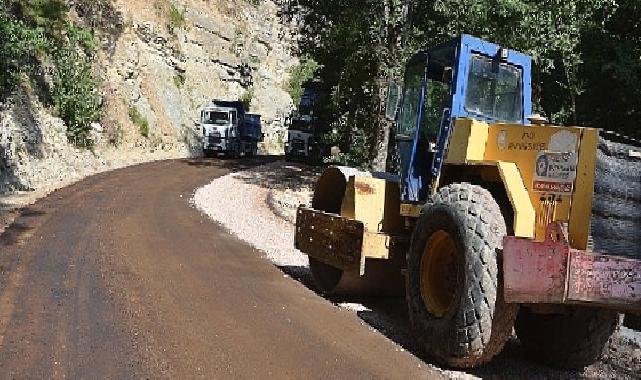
494 92
300 125
216 117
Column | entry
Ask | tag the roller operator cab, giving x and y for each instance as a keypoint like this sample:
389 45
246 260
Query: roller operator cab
485 228
464 78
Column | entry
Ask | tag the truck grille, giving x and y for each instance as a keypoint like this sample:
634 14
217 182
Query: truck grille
214 140
298 145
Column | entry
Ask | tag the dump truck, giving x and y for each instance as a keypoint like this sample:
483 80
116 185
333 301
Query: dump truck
301 138
227 129
495 222
303 141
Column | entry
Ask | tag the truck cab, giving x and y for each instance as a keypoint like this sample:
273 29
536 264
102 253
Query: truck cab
219 127
299 137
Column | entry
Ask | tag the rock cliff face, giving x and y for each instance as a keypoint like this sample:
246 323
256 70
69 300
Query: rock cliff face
160 60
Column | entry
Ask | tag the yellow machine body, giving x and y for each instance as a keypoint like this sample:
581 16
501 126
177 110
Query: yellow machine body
367 217
510 154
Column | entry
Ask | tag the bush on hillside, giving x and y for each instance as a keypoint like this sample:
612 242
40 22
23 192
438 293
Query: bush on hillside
36 37
75 92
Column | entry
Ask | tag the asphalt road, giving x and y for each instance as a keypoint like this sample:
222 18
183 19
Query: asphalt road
118 276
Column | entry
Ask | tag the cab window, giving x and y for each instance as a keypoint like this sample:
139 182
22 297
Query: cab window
414 79
436 99
494 90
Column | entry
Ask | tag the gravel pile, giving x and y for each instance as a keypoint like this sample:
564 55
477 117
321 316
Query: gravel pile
238 202
246 203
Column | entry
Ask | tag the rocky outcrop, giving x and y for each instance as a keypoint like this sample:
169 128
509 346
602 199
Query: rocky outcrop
164 67
223 50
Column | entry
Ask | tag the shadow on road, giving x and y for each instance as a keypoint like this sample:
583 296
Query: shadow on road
231 164
388 315
292 176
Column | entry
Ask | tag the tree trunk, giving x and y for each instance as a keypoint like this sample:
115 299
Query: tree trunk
379 162
393 40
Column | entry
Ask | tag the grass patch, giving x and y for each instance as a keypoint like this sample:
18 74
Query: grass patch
176 18
179 80
247 98
139 121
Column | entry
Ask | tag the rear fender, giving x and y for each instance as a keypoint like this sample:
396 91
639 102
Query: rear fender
489 174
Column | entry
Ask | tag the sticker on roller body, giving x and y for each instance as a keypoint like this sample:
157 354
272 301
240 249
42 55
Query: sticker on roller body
555 172
563 141
502 139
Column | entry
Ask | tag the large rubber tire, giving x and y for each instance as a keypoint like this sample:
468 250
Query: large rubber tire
478 322
616 207
567 341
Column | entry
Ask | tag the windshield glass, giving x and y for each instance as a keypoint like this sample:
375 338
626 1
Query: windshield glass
411 100
494 92
216 117
436 99
300 125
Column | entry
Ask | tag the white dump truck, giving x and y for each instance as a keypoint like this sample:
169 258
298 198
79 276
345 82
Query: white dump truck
299 137
228 130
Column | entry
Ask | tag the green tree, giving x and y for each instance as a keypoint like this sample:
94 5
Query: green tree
19 46
298 76
611 71
359 48
75 90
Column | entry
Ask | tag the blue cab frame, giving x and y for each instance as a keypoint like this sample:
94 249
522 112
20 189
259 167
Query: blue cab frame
463 47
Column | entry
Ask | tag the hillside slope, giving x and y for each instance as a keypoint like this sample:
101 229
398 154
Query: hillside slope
158 62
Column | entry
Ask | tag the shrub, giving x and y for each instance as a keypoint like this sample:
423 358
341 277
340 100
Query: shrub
50 15
19 46
179 80
36 34
75 87
247 98
300 74
139 121
176 18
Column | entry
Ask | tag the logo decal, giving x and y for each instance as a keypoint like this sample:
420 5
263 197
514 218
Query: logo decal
555 172
502 139
542 166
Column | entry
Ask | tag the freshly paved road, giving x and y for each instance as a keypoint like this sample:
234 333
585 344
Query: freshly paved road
118 276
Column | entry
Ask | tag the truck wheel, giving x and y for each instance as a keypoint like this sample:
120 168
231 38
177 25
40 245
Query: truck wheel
568 341
453 285
633 322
